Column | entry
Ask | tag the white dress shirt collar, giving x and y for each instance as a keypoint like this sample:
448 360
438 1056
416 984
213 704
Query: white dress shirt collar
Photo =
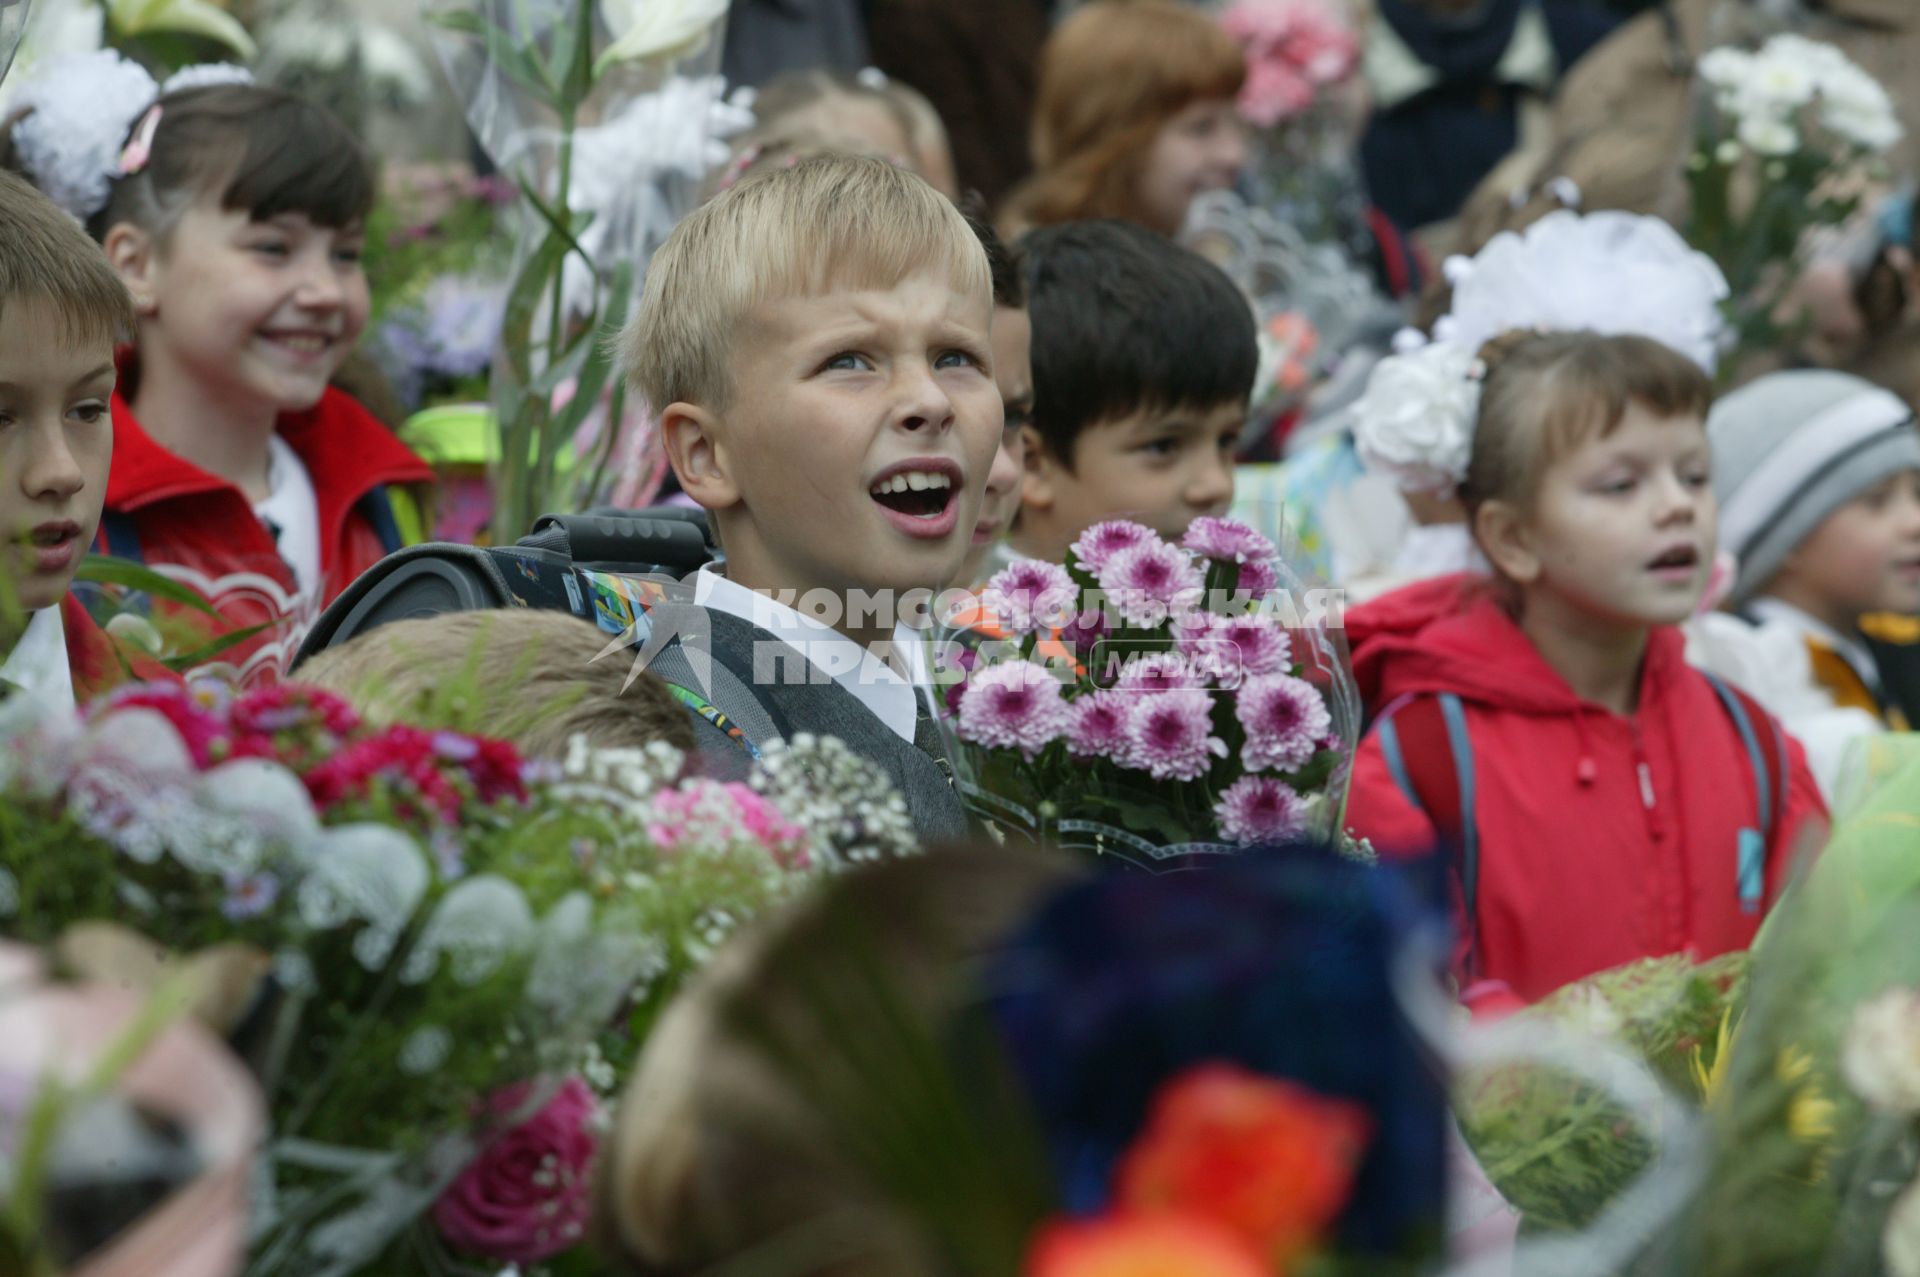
38 663
871 680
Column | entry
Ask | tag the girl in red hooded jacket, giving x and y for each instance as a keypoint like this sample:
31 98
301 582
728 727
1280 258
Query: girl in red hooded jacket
234 214
1603 800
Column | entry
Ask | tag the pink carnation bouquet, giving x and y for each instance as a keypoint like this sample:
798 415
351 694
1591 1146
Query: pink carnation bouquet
437 957
1152 700
1296 50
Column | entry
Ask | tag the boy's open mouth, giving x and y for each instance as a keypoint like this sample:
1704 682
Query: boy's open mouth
1681 558
918 494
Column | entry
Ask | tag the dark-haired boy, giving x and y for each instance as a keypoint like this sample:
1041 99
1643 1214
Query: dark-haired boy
1143 363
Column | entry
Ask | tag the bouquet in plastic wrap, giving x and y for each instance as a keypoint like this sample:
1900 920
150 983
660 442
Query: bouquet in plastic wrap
1814 1110
1559 1147
608 116
1152 701
432 953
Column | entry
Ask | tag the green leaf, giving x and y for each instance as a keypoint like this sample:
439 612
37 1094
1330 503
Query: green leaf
189 17
207 651
464 21
107 570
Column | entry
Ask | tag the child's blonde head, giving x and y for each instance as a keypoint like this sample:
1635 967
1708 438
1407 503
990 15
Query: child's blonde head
45 257
830 221
1111 77
718 1152
1545 394
536 678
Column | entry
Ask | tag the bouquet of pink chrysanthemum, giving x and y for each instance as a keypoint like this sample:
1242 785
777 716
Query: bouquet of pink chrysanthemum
1149 699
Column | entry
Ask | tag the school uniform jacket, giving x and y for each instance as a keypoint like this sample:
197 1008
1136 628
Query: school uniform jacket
1602 838
201 530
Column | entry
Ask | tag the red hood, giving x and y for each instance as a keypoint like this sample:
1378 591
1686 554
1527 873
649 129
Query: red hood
1450 634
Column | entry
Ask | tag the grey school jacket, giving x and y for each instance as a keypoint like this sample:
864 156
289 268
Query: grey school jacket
768 704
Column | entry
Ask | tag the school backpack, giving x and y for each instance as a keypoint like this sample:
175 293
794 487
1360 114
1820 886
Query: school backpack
1429 754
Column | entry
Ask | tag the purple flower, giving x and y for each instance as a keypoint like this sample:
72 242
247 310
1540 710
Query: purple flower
1237 646
1142 582
454 747
1102 541
1031 595
1097 725
1013 705
1259 809
1160 672
1170 735
1226 541
1284 718
1258 578
249 895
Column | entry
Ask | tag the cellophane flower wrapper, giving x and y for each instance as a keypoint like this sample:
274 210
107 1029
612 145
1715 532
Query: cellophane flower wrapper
1112 725
440 919
13 26
1560 1148
608 114
1813 1124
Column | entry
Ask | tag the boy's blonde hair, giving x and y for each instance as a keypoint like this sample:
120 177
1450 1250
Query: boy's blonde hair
526 675
829 221
727 1140
45 256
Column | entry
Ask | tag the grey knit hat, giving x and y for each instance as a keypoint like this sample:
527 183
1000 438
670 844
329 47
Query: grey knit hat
1789 450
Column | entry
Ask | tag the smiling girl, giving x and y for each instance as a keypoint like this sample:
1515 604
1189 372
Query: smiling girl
234 214
1135 116
1603 800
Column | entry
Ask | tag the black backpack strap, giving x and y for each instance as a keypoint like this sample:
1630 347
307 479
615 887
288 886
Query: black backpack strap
377 509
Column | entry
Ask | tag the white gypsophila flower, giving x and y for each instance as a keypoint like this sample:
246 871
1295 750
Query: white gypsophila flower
371 874
293 969
1415 421
477 926
849 810
425 1050
651 29
1880 1056
1900 1243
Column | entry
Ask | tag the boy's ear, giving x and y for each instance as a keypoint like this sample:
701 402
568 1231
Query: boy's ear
698 455
131 251
1036 484
1502 536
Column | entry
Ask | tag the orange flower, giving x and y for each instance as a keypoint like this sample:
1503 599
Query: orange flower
1270 1161
1160 1245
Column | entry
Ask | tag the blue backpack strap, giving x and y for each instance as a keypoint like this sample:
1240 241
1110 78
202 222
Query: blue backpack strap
1443 788
1769 787
377 509
119 537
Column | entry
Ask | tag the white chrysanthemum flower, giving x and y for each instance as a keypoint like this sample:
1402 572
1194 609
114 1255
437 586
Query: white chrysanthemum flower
1769 135
478 925
366 873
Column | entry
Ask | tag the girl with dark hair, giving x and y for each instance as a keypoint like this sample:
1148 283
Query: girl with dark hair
234 214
